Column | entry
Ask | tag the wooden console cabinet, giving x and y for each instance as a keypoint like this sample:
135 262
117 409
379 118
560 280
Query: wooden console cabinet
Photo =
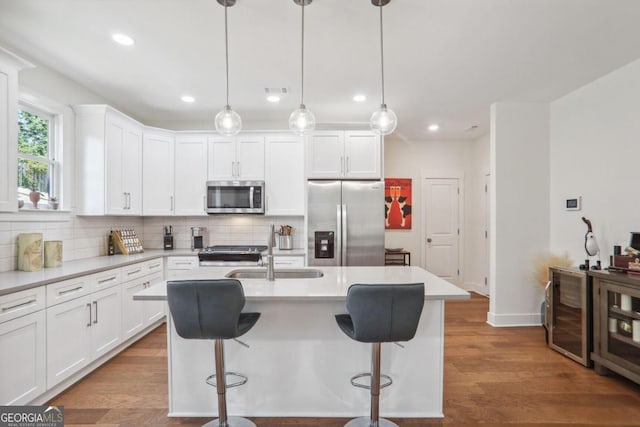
616 313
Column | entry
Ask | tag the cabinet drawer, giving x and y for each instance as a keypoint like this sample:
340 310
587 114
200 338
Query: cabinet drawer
20 303
133 271
182 262
154 266
288 261
67 290
106 279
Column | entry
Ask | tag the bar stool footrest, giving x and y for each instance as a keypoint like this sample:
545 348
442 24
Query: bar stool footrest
243 379
366 422
368 386
231 422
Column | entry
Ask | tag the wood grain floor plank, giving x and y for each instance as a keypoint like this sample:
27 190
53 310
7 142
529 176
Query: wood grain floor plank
492 377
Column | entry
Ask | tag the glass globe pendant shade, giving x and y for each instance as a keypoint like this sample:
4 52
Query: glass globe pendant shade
302 120
228 122
383 121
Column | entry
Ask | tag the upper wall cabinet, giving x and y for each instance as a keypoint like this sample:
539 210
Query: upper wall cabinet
190 174
284 175
9 67
109 162
236 158
157 172
344 154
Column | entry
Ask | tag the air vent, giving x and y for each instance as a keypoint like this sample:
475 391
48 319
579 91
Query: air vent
472 128
276 90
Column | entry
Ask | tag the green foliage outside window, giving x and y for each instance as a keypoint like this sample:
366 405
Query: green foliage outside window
33 139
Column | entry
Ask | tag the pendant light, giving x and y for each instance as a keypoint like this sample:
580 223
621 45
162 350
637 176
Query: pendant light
383 121
302 121
228 122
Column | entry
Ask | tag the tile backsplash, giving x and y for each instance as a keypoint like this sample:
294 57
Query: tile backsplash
86 237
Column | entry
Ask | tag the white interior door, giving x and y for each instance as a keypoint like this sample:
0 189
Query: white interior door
440 203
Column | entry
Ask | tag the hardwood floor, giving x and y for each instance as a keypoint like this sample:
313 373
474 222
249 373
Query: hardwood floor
492 376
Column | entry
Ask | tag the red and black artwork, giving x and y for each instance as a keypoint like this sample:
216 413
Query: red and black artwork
397 203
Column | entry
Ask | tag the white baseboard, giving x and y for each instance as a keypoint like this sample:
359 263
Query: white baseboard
514 319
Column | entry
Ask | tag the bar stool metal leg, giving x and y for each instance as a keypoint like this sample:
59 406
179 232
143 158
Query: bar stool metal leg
221 389
374 419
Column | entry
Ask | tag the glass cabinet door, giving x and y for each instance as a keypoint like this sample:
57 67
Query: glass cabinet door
622 322
569 314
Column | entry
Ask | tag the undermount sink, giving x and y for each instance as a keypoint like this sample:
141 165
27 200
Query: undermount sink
290 273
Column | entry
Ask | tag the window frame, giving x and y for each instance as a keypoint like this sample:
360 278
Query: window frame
53 148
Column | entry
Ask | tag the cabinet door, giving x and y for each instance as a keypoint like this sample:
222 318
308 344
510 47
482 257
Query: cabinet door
222 158
190 175
22 359
153 310
8 135
132 169
133 317
325 155
157 174
106 323
68 339
284 180
250 158
362 154
116 196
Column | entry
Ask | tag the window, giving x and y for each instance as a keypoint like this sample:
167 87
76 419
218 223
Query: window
37 165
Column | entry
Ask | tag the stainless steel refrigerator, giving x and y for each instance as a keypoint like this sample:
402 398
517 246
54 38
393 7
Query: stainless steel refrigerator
345 223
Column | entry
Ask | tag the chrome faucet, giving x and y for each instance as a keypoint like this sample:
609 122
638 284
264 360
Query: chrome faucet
270 243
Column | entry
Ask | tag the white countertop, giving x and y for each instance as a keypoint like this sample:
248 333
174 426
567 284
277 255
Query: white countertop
13 281
332 286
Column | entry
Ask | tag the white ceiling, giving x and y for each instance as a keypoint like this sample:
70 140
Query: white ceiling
446 61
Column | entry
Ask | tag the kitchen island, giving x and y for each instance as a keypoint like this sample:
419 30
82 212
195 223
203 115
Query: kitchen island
299 362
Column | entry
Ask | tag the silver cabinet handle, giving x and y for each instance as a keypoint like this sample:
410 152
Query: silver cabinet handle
22 304
341 165
238 171
89 305
182 263
125 200
171 203
68 291
95 304
154 265
134 272
110 279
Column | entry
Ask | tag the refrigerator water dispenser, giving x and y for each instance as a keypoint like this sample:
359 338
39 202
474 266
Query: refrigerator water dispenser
324 244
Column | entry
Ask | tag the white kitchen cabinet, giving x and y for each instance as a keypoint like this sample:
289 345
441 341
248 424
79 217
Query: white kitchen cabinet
23 359
236 158
284 175
81 330
137 315
10 64
176 265
190 162
344 154
157 173
108 162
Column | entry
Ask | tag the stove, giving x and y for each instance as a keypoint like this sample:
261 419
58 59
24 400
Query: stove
231 255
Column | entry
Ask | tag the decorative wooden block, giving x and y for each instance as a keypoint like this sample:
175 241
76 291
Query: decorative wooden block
52 253
30 251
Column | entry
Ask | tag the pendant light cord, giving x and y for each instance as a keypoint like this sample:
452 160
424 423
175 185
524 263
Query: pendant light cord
226 49
381 53
302 59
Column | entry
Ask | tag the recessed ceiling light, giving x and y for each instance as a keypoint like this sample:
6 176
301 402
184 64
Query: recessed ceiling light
273 98
122 39
359 98
434 127
187 98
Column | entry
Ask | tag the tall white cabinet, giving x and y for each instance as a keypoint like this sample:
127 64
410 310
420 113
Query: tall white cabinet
190 161
10 64
284 175
158 173
108 162
344 154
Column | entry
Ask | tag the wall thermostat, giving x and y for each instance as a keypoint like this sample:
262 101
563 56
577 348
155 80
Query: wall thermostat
573 203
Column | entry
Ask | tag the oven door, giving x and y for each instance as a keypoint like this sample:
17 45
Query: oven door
235 197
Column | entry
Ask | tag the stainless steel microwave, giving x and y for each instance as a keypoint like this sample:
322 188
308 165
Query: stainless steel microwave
235 197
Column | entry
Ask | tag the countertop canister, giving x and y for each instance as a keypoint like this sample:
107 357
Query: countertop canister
30 251
52 253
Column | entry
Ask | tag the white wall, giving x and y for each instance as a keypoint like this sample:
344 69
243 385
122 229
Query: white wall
595 146
408 159
519 226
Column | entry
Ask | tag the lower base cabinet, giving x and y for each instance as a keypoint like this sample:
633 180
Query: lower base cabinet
81 330
23 359
137 315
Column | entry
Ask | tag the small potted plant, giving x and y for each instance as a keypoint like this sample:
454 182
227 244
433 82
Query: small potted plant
53 202
34 196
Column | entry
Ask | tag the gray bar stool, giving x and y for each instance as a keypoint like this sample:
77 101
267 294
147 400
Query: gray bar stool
377 314
211 310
